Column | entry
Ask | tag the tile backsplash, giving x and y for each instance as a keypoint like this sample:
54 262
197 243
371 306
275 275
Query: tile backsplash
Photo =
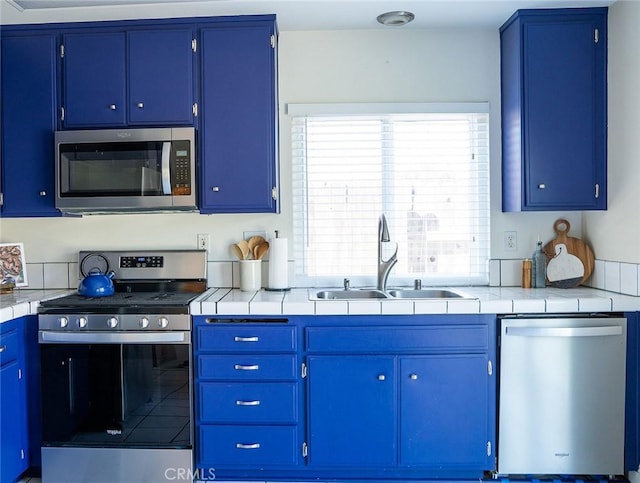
619 277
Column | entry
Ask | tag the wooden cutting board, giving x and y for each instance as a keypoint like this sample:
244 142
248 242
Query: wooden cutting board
558 255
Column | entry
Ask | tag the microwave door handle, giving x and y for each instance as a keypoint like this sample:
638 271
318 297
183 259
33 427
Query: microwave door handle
166 168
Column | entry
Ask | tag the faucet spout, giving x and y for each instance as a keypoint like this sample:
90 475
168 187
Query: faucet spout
384 266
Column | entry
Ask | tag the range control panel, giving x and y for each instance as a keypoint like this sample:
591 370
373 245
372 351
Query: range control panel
142 262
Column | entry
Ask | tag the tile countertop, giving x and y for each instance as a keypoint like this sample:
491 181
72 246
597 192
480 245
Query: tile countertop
487 300
22 302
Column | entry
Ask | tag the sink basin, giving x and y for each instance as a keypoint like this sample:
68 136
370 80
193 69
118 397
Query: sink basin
395 293
429 293
350 294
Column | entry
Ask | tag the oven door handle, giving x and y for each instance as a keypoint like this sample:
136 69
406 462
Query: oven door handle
49 337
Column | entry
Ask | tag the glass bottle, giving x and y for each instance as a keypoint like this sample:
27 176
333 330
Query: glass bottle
539 267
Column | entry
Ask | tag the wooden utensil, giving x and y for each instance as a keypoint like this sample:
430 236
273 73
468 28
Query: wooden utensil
574 246
254 241
261 250
244 249
237 251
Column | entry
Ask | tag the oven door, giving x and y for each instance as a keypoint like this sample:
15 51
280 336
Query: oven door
116 390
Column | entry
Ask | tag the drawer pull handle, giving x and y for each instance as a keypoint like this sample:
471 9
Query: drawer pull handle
247 403
240 367
248 446
3 348
381 377
245 339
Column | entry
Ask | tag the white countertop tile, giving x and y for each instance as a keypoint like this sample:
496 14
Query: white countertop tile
235 302
296 302
397 307
364 307
267 303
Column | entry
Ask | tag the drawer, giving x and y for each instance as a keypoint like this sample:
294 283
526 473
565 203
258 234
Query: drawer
245 367
248 446
246 338
393 339
248 402
9 346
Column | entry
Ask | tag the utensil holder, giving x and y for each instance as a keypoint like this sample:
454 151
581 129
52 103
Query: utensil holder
250 275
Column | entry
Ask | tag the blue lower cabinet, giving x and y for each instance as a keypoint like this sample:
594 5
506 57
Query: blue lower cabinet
19 418
632 413
335 398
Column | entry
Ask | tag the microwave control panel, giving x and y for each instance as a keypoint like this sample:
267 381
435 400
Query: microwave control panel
180 168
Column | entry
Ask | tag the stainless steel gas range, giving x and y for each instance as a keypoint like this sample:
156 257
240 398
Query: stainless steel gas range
116 371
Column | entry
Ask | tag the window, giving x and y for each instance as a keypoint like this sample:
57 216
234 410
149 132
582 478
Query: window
426 167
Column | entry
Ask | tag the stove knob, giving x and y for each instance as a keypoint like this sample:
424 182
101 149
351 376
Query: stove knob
82 322
112 322
144 322
163 322
63 321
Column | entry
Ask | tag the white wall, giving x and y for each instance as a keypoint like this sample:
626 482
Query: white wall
339 66
616 232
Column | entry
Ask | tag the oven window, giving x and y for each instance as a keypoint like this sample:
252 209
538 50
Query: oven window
111 169
116 395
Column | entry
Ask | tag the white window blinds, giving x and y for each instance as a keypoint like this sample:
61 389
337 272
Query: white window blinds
427 170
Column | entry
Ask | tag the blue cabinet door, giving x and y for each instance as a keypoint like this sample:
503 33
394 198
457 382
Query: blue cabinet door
443 411
632 407
554 96
12 452
28 121
238 130
160 76
352 411
94 79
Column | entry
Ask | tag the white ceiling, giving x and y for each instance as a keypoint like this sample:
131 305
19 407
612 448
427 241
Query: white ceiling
291 14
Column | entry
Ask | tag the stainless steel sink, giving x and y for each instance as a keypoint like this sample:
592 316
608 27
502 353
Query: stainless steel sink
396 293
350 294
429 293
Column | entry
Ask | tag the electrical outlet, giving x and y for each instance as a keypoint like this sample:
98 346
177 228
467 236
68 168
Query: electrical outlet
203 241
510 241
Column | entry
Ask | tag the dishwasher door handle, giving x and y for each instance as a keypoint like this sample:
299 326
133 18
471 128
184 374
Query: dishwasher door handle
564 331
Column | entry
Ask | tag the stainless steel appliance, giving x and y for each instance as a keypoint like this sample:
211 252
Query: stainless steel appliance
562 395
124 170
116 372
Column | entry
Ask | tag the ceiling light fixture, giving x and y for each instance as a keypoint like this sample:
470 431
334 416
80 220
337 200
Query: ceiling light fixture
396 18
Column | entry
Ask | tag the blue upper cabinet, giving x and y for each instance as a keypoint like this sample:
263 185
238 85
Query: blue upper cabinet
239 118
161 76
118 78
28 121
554 103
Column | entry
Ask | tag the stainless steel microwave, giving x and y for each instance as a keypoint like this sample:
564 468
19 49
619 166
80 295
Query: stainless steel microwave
125 170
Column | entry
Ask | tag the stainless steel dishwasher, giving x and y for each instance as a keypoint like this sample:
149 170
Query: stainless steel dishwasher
562 395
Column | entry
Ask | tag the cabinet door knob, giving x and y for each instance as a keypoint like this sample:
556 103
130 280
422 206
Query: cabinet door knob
382 377
140 105
542 186
43 193
112 107
413 377
215 189
3 348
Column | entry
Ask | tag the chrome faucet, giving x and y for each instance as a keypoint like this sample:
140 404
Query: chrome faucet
384 266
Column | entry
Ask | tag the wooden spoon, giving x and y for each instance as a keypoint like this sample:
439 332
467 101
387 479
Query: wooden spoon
244 249
254 241
261 250
237 251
